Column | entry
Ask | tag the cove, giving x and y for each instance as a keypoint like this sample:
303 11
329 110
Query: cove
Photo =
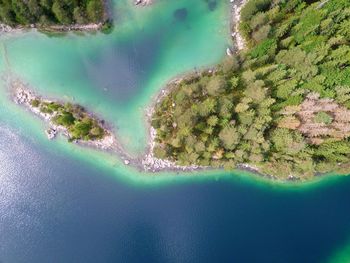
63 203
116 75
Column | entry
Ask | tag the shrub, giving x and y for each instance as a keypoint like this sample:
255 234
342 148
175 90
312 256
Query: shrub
323 117
35 103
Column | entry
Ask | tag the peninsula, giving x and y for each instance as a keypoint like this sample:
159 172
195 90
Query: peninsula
280 106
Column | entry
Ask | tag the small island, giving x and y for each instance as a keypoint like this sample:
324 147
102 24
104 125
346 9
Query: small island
56 15
279 106
71 120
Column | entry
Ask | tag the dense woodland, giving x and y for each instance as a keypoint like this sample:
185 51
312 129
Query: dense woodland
282 105
51 12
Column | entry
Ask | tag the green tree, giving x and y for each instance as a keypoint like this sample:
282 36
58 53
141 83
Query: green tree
79 16
7 15
262 33
229 137
323 117
212 120
216 85
66 119
47 4
34 8
287 141
256 91
94 10
21 11
253 7
61 13
258 20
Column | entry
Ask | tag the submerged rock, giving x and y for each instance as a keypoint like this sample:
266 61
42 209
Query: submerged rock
181 13
212 5
51 133
229 52
143 2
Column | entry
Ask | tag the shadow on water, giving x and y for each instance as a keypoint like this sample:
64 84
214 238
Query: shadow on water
212 4
181 14
119 70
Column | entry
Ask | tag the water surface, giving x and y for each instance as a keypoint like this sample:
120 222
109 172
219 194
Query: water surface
62 203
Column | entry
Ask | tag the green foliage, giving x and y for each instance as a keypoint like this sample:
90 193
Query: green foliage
81 129
21 12
74 118
286 141
35 103
216 85
267 47
65 119
253 7
333 151
238 114
229 137
258 20
59 10
94 10
261 34
48 12
79 16
323 117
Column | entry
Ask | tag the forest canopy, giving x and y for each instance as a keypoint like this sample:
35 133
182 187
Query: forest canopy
281 105
51 12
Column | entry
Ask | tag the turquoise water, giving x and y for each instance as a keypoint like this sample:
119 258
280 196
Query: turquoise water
82 205
116 75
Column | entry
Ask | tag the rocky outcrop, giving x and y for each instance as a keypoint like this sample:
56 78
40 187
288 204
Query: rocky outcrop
143 2
5 28
237 6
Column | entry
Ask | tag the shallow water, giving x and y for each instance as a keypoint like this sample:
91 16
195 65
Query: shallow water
116 75
62 203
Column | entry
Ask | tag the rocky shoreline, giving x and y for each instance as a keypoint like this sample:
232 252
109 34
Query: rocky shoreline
238 41
54 28
5 28
153 164
237 38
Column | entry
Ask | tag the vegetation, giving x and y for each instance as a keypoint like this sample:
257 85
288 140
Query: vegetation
282 105
78 123
51 12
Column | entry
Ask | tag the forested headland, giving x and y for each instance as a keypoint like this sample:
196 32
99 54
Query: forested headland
281 105
45 13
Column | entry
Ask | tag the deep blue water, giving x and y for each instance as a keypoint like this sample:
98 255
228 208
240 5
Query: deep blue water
57 209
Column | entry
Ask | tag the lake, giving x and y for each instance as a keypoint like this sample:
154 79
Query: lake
62 203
